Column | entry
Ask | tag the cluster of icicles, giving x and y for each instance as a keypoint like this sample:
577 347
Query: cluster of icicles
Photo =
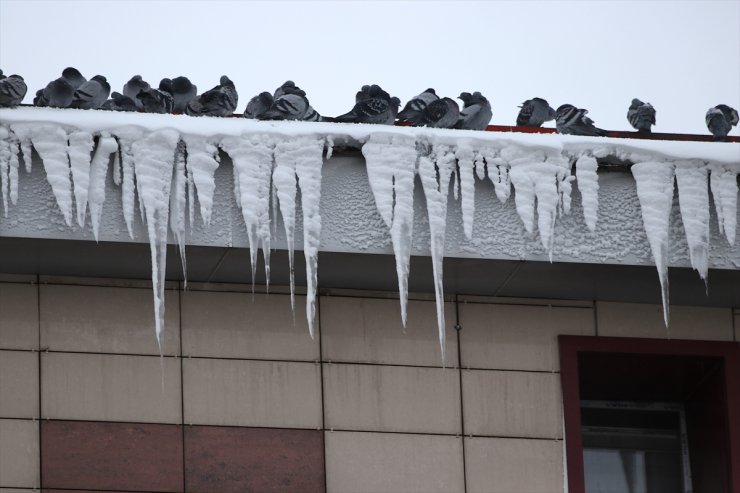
166 170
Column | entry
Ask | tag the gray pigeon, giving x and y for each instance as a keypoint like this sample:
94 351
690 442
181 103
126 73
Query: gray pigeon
374 106
288 87
258 105
641 116
219 101
287 107
476 112
156 101
534 112
183 91
573 121
12 91
440 113
119 102
720 121
92 94
414 107
57 94
74 77
133 87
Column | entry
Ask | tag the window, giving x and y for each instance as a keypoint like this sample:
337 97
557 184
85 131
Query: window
651 416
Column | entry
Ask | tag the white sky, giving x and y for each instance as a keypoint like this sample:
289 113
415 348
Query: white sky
681 56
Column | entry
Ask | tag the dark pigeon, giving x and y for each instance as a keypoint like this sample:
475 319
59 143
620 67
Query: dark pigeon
414 107
12 91
183 91
219 101
156 101
374 106
74 77
57 94
720 121
476 112
641 116
573 121
534 112
363 93
2 75
133 87
288 87
440 113
119 102
258 105
92 94
287 107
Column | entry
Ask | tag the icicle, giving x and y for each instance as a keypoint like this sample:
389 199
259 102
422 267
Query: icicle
79 150
153 158
693 199
723 180
456 183
309 162
329 147
565 188
50 142
190 187
391 166
202 162
178 205
23 134
655 191
480 166
466 164
126 137
107 145
285 183
5 154
436 191
588 185
252 159
498 173
117 166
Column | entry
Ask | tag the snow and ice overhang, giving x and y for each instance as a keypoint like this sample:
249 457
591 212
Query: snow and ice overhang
516 223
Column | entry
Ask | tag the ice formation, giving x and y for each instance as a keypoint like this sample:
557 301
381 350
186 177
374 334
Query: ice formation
164 164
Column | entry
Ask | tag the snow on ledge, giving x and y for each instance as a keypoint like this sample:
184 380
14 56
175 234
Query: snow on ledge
162 162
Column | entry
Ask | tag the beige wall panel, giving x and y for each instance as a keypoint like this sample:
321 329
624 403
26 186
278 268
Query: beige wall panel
239 325
392 398
19 316
252 393
19 384
518 337
19 453
393 462
106 320
512 465
110 388
512 404
643 320
369 330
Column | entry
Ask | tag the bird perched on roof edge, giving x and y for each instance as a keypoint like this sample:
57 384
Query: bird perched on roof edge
641 116
12 91
415 106
476 112
534 112
720 121
573 121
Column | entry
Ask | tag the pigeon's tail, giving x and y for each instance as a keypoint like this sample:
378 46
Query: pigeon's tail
601 132
345 118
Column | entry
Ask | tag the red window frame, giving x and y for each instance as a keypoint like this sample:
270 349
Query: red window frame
571 346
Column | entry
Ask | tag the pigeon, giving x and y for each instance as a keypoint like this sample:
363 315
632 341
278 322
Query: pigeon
183 91
720 121
287 107
476 112
573 121
57 94
374 106
2 75
641 116
440 113
12 91
288 87
119 102
133 87
414 107
74 77
534 112
156 101
258 105
92 94
219 101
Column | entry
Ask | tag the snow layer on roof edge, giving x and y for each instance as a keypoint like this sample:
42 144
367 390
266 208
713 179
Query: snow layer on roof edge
539 170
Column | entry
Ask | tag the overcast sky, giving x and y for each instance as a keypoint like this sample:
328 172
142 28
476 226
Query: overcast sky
682 56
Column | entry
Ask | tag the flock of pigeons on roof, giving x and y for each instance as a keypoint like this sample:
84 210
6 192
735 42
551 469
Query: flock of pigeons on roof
289 102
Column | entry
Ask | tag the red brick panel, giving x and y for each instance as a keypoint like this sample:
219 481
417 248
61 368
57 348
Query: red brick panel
229 459
111 456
